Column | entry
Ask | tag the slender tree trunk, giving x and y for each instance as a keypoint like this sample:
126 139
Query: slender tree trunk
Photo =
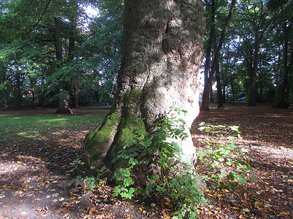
282 93
74 90
219 88
19 90
161 56
224 93
207 67
205 101
73 84
63 101
252 73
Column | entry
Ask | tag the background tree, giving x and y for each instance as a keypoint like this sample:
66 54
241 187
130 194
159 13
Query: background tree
47 46
283 38
212 64
61 49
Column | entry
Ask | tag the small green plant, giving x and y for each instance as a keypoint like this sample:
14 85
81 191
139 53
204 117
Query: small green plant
77 167
152 166
90 182
222 163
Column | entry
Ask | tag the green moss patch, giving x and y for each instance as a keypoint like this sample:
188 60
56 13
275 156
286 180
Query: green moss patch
97 141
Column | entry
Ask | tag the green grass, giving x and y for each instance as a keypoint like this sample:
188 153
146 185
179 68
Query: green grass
39 127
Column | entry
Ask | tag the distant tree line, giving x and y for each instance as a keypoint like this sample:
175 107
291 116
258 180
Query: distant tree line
52 51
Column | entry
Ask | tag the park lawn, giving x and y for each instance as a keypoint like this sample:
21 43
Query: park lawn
13 127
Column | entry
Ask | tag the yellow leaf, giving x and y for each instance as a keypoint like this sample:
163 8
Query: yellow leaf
210 213
284 213
257 203
25 189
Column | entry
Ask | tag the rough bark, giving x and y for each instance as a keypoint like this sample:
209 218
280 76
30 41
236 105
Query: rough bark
161 56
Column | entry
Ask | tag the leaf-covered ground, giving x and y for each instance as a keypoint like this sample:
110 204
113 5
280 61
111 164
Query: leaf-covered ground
267 135
37 180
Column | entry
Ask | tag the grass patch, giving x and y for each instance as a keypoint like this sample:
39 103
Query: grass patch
39 127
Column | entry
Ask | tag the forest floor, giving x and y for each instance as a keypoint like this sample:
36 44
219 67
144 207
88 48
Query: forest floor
40 158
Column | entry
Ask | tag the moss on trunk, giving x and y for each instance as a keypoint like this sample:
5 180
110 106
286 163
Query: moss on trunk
98 141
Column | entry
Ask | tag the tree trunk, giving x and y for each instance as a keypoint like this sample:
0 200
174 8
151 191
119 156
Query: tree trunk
74 90
63 103
252 73
219 88
205 101
281 99
161 56
19 90
207 66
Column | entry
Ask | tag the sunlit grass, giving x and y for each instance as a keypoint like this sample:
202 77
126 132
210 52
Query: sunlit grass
39 127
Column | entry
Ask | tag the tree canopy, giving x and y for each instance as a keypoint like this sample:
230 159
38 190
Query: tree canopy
50 45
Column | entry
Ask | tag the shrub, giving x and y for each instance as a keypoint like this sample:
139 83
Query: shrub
168 178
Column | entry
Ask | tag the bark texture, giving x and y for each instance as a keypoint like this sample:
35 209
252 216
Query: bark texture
162 52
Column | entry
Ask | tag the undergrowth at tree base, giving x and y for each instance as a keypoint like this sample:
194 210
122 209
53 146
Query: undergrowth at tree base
152 169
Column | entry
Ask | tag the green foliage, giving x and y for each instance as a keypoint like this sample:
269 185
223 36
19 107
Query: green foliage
151 165
90 48
90 182
219 130
222 163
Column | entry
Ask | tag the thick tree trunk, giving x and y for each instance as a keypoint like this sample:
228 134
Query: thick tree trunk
63 103
162 52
